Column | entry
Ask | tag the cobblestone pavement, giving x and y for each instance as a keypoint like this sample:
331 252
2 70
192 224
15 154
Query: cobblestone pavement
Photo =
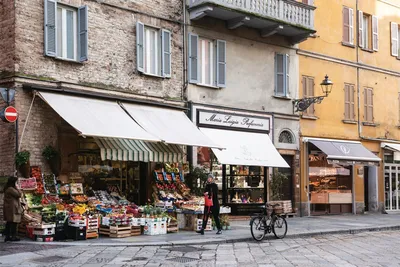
363 250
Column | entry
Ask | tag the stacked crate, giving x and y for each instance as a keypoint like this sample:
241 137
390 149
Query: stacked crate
285 204
92 230
41 232
116 231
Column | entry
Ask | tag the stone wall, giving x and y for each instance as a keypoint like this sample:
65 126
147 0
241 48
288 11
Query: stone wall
112 46
7 35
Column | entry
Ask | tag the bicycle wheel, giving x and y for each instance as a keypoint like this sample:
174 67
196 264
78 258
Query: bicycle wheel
279 227
257 228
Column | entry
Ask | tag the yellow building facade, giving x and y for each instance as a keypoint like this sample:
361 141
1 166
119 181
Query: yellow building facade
350 142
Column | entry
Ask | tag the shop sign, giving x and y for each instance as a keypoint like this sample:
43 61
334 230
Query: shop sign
233 121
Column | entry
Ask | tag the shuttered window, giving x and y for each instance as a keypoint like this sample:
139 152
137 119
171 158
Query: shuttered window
282 75
399 106
375 33
308 91
207 61
66 31
153 50
394 35
349 92
348 28
368 105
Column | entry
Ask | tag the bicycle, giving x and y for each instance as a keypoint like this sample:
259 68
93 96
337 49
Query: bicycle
267 222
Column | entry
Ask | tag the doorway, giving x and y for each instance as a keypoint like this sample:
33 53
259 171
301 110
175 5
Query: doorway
366 189
287 187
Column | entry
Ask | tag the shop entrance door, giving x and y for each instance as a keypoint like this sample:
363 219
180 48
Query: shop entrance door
287 188
392 182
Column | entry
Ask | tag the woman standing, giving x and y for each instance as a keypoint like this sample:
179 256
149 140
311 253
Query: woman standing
211 205
12 209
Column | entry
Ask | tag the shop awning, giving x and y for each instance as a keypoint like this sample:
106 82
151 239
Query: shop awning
346 152
136 150
390 146
245 148
171 126
97 118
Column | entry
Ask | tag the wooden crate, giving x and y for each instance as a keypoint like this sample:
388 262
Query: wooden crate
172 227
93 234
117 231
136 230
285 204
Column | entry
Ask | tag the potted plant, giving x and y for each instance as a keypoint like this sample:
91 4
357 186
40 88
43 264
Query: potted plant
22 163
53 158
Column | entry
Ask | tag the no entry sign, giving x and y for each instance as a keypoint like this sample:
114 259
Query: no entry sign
9 114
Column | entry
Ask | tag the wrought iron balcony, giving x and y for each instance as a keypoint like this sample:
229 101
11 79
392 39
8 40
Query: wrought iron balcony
285 17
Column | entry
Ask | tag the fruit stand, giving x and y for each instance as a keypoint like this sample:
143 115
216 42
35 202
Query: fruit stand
59 211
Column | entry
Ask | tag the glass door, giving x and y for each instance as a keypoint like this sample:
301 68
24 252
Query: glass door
392 187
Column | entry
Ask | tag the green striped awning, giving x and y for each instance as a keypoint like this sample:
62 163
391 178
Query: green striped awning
136 150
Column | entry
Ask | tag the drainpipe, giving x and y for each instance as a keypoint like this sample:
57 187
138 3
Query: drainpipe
358 75
184 88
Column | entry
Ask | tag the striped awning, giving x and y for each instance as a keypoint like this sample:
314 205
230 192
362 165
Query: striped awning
135 150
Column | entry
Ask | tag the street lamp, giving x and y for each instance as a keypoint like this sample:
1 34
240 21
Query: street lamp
303 103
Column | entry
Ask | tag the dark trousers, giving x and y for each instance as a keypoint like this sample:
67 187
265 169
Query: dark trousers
11 230
215 213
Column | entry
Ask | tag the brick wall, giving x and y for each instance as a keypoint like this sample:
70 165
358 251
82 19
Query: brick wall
112 46
7 34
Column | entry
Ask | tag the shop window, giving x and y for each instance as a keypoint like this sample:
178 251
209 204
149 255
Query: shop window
286 137
282 75
207 61
330 186
153 50
66 31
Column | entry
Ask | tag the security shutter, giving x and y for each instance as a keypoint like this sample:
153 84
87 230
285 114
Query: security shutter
221 63
394 29
375 37
140 46
166 53
50 18
83 33
360 29
193 58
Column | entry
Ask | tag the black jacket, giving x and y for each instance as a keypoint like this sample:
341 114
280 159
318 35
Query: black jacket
212 190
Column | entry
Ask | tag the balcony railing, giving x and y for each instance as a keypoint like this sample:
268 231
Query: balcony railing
288 11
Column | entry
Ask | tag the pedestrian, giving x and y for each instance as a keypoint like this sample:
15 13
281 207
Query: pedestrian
12 209
211 204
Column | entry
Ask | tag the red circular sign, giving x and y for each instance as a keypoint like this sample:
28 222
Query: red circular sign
10 114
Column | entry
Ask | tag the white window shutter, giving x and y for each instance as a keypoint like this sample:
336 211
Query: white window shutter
351 26
375 37
286 88
50 28
394 28
166 53
193 62
221 63
83 37
280 74
360 29
140 46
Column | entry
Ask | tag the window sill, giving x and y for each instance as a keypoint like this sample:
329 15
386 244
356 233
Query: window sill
153 75
348 45
207 85
367 50
67 60
309 117
349 121
281 97
372 124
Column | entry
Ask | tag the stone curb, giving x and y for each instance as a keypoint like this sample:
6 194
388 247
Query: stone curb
219 241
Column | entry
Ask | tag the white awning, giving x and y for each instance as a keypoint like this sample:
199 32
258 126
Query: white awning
171 126
135 150
244 148
391 146
97 118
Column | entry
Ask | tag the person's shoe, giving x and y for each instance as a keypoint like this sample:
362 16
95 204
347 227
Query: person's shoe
219 232
14 239
200 232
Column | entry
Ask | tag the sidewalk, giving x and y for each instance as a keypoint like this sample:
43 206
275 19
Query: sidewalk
297 227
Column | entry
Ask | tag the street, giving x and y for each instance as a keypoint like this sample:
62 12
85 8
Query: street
364 249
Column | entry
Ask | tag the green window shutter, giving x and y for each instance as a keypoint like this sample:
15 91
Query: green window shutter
83 36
